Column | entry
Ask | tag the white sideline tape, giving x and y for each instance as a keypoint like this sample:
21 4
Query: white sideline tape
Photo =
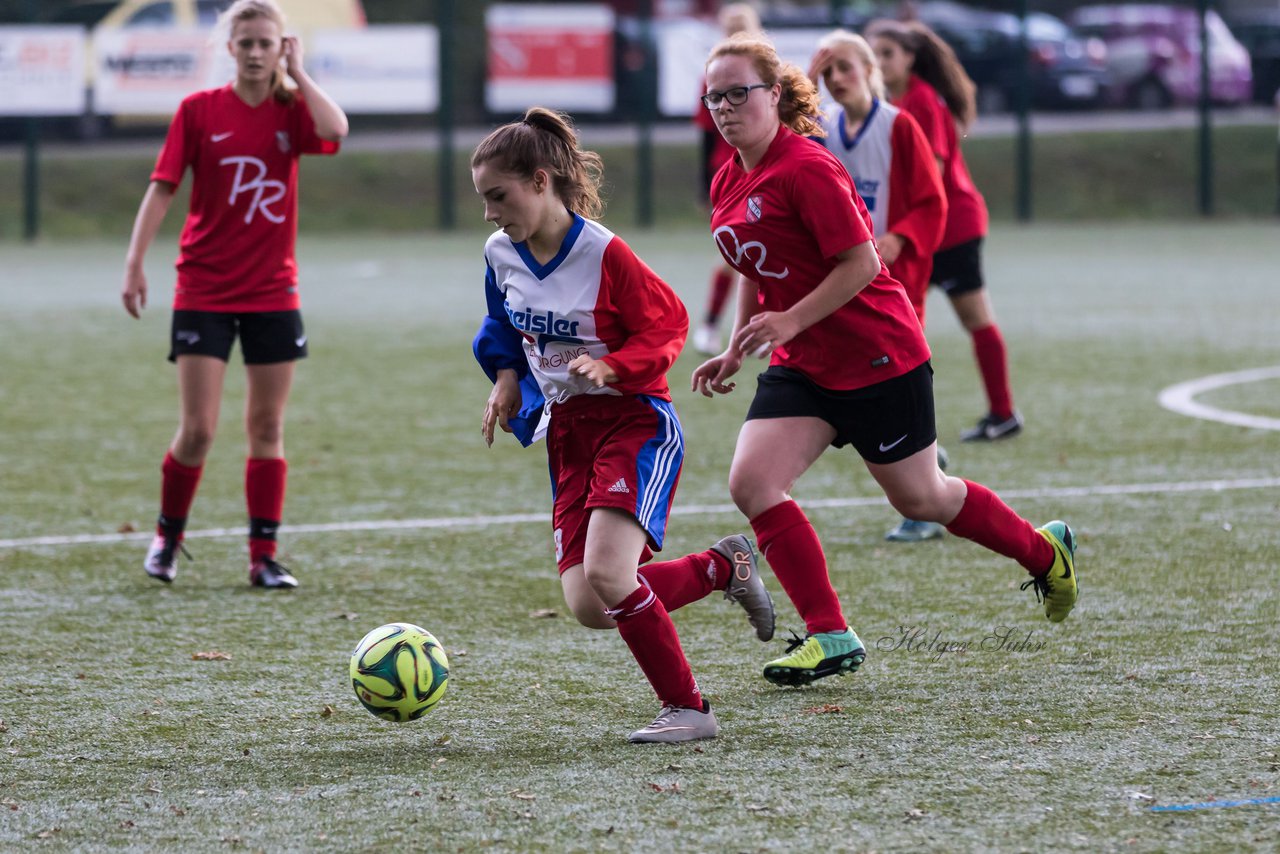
453 522
1180 398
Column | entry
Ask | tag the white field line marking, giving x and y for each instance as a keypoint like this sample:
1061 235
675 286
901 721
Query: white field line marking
1180 398
456 522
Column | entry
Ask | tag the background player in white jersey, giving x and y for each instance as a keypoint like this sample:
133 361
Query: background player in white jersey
848 361
578 339
237 277
894 171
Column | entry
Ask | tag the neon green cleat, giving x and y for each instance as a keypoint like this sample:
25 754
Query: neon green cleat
814 656
1057 588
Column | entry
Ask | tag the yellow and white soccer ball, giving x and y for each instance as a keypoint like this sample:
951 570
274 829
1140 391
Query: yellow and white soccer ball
399 671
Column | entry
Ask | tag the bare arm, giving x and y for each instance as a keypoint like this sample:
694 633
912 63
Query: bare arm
854 270
155 204
331 121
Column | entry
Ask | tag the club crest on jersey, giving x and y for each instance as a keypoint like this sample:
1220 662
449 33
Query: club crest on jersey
754 211
282 140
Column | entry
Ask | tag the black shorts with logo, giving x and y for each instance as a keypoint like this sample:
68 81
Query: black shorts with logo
958 270
885 422
266 337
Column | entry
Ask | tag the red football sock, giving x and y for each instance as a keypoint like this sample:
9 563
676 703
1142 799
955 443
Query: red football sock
648 631
793 550
687 579
264 482
989 522
177 492
721 284
993 363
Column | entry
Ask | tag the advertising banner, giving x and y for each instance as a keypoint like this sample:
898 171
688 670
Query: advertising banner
382 69
42 71
557 56
148 71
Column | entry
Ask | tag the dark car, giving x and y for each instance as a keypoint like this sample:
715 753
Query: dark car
1064 69
1259 32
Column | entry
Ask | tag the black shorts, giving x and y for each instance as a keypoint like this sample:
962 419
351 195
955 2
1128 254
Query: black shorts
266 337
885 422
958 270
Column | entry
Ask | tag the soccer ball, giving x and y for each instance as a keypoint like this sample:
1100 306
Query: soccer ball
399 671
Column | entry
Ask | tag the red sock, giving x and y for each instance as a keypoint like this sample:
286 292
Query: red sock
793 550
264 481
721 284
648 631
687 579
177 491
989 522
993 363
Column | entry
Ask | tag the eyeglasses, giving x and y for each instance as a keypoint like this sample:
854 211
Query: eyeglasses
737 96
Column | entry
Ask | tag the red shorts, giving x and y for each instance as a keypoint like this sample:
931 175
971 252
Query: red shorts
618 451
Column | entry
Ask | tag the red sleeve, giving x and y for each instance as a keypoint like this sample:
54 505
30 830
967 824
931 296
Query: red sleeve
837 220
179 149
918 203
309 142
653 319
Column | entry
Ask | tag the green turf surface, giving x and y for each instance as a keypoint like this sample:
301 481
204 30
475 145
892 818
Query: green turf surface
1159 690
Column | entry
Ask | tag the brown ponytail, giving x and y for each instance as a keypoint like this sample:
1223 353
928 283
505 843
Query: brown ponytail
545 139
935 63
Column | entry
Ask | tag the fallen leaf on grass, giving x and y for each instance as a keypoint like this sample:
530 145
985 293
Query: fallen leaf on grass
674 788
916 815
756 807
45 834
350 615
126 528
327 711
542 613
825 709
1140 796
212 655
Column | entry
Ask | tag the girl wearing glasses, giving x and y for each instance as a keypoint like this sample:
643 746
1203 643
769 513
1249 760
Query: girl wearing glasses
848 359
925 79
578 339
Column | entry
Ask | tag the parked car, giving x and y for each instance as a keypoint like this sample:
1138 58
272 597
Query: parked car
1153 53
1064 70
1259 32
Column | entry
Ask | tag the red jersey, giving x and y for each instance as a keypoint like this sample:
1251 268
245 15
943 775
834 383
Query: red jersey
781 225
237 247
966 209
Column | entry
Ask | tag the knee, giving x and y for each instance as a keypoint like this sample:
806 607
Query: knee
194 440
265 429
920 505
589 611
750 495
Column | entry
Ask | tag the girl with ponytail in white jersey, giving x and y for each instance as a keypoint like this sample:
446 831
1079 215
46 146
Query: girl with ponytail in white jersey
894 171
577 340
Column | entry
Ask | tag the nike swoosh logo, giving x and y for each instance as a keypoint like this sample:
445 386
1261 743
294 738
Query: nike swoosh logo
219 137
668 728
300 341
1066 564
892 445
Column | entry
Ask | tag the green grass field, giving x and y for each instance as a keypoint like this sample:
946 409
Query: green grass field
1160 690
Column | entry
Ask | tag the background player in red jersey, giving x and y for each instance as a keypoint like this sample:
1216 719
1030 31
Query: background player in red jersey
894 172
578 339
926 80
237 276
849 361
734 18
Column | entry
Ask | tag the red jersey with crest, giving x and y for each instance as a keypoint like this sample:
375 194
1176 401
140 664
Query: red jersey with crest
781 225
237 248
966 209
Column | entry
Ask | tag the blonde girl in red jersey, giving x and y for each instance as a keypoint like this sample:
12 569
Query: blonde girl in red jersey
237 276
848 359
926 80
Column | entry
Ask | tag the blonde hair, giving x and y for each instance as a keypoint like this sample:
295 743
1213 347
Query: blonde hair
934 62
867 56
737 18
798 103
248 10
545 139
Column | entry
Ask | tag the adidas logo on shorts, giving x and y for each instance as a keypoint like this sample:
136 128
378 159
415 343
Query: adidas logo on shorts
620 486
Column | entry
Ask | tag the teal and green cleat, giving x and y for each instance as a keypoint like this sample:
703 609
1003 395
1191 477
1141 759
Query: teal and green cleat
1057 588
814 656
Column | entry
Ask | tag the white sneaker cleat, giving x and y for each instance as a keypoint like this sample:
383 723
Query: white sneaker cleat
706 340
265 572
161 562
675 724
